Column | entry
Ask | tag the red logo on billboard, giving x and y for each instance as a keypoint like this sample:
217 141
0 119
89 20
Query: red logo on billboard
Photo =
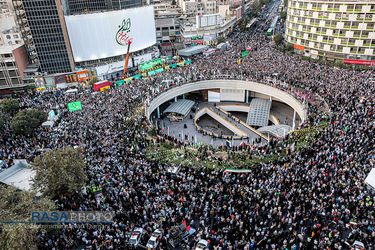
122 36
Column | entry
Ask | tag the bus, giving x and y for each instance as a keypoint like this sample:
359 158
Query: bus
269 31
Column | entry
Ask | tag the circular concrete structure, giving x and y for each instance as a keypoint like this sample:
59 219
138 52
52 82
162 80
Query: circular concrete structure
261 89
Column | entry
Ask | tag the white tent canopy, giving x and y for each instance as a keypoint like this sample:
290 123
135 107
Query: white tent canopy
370 180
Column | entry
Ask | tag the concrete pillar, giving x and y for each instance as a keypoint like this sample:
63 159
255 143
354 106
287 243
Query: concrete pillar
175 99
158 110
247 96
271 99
294 120
183 96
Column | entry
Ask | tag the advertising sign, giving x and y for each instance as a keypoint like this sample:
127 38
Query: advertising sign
370 63
83 75
244 53
60 79
73 106
207 20
101 35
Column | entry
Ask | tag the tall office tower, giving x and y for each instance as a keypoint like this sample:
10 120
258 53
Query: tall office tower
43 28
332 30
79 6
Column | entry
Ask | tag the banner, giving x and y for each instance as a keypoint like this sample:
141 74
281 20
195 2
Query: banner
111 31
371 63
244 53
73 106
237 171
119 83
139 76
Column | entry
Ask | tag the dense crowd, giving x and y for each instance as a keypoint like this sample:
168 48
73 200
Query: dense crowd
306 201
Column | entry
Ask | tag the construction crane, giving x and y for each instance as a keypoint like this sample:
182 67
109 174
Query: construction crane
126 62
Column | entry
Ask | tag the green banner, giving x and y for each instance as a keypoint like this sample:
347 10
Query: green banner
244 53
139 76
73 106
173 65
119 83
151 64
187 62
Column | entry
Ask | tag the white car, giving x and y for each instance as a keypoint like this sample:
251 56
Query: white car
202 244
136 236
153 242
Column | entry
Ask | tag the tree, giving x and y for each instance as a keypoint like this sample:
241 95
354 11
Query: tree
289 47
283 15
3 118
220 40
27 120
278 39
9 105
59 172
244 23
15 206
173 2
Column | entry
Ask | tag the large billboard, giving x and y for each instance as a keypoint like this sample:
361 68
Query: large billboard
100 35
208 20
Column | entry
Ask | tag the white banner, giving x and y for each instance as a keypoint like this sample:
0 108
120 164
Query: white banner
117 66
237 95
213 96
101 35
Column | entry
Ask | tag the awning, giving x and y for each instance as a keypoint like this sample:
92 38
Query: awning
181 107
192 50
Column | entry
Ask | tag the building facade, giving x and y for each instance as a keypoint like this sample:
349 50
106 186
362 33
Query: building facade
13 61
80 6
334 30
44 32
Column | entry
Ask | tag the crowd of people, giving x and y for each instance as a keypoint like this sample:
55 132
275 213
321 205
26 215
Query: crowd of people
314 198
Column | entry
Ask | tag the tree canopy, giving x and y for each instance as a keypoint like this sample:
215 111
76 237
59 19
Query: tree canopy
27 120
278 39
16 206
59 172
9 106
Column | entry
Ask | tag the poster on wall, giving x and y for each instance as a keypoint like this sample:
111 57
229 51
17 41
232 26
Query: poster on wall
101 35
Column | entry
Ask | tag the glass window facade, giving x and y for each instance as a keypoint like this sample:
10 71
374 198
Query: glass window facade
47 34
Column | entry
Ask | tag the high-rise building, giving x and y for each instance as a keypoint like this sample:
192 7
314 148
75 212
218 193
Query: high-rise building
79 6
42 26
335 29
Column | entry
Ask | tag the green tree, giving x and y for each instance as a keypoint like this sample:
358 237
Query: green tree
17 205
283 15
220 40
9 105
278 39
59 172
289 47
3 117
244 23
27 120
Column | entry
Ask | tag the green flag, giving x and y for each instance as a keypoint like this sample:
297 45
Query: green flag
73 106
